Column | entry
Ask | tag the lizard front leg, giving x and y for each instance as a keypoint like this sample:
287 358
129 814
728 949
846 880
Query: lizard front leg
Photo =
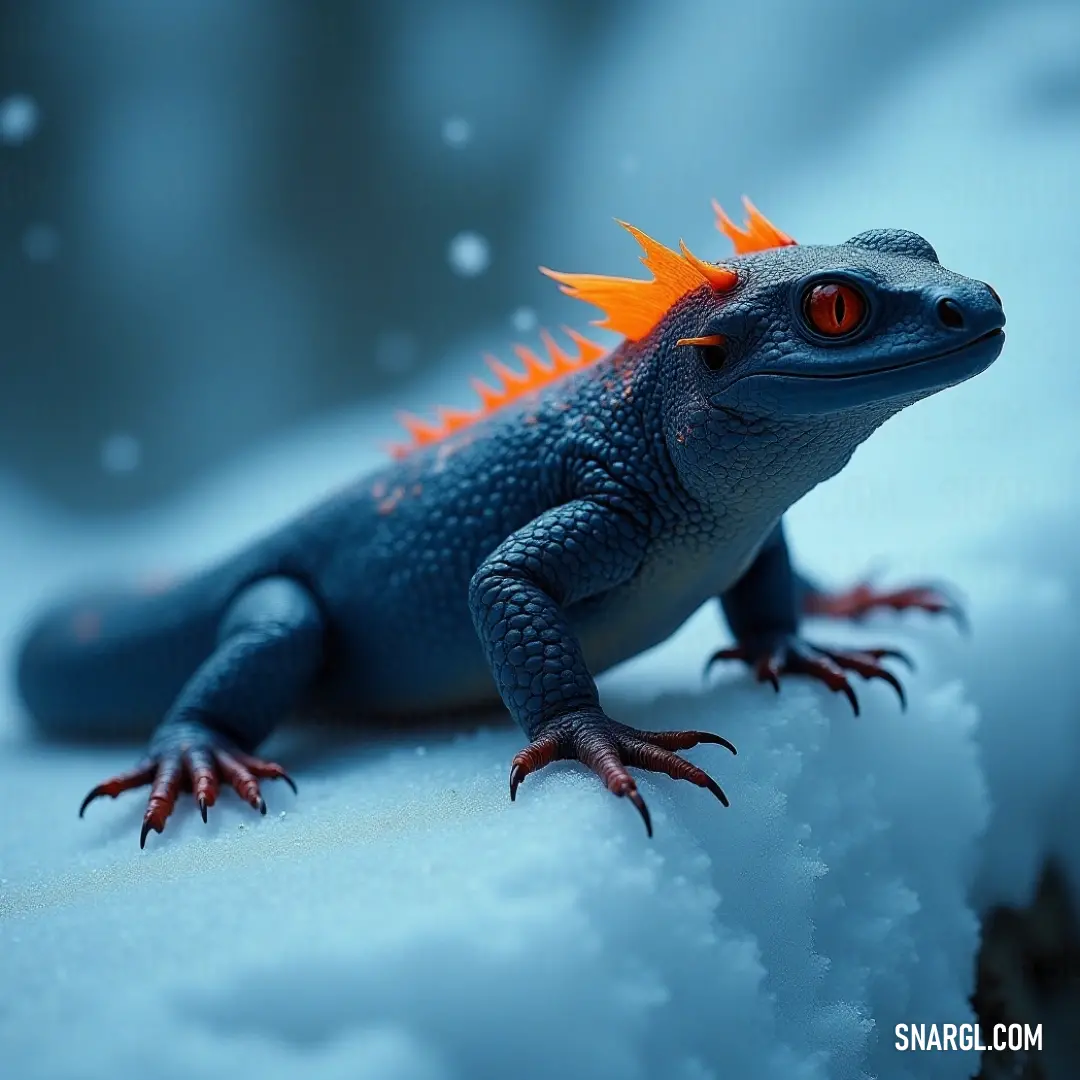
518 599
763 609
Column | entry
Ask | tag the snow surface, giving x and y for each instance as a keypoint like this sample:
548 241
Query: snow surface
401 919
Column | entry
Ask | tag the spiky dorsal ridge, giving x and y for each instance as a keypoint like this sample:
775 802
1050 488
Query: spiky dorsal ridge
631 307
510 386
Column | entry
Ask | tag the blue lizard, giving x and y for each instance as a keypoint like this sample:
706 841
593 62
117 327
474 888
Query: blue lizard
590 505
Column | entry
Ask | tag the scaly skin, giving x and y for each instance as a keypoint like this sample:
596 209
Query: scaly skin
524 555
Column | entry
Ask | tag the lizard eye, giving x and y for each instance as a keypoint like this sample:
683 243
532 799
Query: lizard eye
833 310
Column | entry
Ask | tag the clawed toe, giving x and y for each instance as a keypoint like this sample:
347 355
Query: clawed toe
685 740
119 784
608 749
793 656
827 668
635 797
540 752
199 770
867 664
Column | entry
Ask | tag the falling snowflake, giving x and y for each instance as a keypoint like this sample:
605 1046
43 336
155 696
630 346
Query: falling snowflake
524 320
19 118
469 254
456 132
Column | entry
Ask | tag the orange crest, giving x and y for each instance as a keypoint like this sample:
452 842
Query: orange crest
758 234
631 307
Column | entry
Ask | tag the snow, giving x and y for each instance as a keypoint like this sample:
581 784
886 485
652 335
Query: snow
468 254
456 132
19 117
402 919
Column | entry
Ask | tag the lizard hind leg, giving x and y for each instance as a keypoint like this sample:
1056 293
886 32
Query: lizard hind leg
269 651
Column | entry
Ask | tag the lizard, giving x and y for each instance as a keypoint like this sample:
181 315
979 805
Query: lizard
593 501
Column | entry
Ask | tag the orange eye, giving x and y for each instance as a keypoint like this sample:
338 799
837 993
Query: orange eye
834 310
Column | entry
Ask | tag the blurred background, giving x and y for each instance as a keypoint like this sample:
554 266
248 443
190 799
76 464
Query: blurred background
219 221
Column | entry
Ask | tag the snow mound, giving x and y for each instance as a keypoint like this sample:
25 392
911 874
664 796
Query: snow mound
403 919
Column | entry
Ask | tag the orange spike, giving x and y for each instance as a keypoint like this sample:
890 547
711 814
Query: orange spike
560 359
708 339
512 385
490 398
764 228
730 229
758 234
588 350
719 277
511 380
453 419
535 368
632 307
421 431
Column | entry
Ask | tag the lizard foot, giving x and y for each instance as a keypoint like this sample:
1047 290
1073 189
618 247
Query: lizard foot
863 599
608 747
793 656
195 760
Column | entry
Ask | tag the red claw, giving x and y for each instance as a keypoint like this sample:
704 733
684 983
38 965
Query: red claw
608 748
792 656
193 769
119 784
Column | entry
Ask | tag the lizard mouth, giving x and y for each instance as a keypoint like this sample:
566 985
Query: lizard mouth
805 393
847 373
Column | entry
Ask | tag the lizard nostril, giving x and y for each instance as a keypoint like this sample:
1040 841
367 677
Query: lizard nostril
994 294
950 313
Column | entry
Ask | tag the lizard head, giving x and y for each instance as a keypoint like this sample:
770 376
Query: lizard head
800 348
812 331
808 350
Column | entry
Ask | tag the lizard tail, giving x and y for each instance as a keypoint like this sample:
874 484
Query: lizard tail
108 665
